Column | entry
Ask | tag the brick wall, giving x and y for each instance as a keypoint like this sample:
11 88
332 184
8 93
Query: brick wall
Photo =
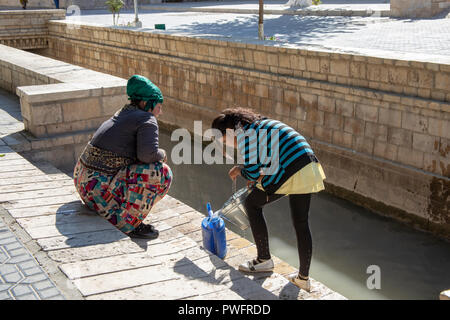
418 8
380 126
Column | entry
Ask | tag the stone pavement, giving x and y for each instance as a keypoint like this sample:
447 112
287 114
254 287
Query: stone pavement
87 258
21 277
328 7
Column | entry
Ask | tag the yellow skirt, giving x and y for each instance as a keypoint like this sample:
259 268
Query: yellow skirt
307 180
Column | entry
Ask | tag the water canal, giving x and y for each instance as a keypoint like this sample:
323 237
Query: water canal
347 239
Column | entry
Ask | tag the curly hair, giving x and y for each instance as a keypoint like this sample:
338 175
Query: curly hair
232 118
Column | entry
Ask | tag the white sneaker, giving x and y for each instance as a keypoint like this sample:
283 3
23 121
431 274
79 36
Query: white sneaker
255 266
302 284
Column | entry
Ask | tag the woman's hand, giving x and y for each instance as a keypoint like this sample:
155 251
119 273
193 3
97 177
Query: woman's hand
251 184
234 172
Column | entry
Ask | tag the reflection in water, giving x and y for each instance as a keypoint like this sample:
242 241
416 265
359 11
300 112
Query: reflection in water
347 239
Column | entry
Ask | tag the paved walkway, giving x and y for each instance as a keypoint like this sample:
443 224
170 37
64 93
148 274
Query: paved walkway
21 277
87 258
425 39
328 7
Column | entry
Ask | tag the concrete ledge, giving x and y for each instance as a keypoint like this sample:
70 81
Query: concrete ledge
69 99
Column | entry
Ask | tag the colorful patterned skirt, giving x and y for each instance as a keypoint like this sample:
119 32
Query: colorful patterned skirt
126 198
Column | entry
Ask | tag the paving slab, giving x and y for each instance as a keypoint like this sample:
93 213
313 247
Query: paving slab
24 280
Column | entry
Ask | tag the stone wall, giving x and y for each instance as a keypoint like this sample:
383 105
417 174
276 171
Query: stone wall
380 126
418 8
61 104
27 29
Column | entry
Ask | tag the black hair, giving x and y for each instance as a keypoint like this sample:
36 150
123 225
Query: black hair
233 117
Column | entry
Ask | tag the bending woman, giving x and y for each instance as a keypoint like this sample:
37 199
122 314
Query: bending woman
296 172
122 174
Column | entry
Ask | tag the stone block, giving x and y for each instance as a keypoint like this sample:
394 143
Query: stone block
376 131
400 137
297 62
354 126
326 104
342 139
309 100
322 133
345 108
385 150
442 80
415 122
333 121
46 114
340 68
425 142
81 109
439 127
315 116
111 104
363 144
291 97
358 70
390 117
366 112
410 157
420 78
313 64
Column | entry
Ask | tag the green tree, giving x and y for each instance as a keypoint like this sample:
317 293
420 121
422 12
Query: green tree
114 6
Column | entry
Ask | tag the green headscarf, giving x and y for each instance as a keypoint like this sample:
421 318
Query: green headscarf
141 88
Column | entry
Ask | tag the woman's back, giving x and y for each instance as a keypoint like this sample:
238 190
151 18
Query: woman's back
131 133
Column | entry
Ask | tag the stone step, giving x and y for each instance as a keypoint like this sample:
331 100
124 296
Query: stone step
124 279
78 216
33 203
70 229
151 257
36 194
167 290
16 181
81 239
65 208
42 185
30 172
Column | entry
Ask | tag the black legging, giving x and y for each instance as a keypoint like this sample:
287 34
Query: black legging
299 205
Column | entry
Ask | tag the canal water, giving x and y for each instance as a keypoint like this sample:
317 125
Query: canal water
348 240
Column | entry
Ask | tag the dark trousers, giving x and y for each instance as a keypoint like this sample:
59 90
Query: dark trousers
299 205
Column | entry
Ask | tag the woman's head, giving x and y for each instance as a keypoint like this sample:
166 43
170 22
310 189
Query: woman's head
234 118
144 94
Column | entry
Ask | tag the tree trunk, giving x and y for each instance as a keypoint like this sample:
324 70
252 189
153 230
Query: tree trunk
261 20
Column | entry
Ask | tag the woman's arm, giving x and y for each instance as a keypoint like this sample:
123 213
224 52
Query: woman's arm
147 143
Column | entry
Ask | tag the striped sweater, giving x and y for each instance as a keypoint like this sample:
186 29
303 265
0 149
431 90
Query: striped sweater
271 148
